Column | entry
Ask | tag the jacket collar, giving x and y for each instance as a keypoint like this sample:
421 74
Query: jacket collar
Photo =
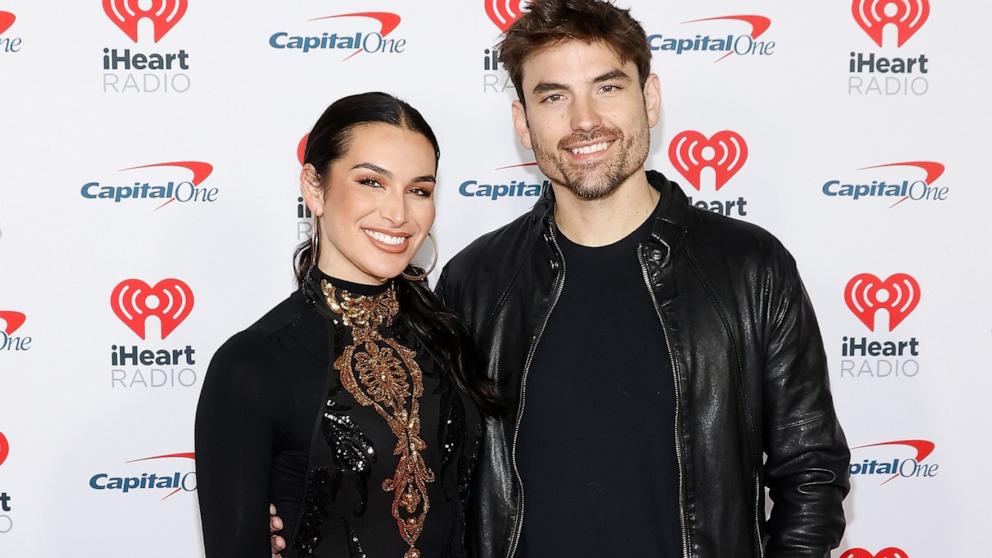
673 216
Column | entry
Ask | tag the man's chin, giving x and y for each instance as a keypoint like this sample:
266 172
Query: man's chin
592 190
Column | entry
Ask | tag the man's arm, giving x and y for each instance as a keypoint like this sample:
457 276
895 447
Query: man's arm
806 469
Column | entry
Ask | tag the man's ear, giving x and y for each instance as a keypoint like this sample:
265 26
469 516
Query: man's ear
652 99
520 124
310 187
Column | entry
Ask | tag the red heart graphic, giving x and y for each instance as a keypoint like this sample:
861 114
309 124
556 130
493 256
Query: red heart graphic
907 16
503 12
4 448
130 301
862 295
164 15
6 20
12 321
301 148
890 552
729 154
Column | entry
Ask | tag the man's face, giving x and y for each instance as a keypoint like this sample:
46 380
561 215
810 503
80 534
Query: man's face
587 118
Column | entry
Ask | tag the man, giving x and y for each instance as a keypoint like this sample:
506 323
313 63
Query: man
663 364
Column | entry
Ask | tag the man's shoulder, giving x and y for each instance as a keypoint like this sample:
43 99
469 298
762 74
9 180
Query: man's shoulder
734 236
724 245
494 253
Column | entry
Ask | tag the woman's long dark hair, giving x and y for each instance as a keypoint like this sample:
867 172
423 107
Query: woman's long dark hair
441 331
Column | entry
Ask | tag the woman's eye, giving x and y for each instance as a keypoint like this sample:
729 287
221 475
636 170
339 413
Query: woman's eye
370 181
422 192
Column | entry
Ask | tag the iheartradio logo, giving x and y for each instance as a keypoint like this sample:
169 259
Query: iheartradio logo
4 448
725 152
504 12
889 552
301 148
907 16
164 15
866 294
134 301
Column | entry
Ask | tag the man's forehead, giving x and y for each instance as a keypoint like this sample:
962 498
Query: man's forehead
573 61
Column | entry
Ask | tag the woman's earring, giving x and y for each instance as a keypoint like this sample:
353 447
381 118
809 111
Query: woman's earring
314 241
422 276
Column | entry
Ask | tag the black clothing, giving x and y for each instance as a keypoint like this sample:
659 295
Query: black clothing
601 372
274 424
750 372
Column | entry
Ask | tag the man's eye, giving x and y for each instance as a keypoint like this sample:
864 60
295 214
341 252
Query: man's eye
553 98
610 88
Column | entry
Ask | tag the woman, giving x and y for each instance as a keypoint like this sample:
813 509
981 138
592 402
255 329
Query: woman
352 404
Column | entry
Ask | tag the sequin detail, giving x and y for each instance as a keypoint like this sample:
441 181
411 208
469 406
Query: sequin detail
308 536
451 432
383 374
352 449
355 549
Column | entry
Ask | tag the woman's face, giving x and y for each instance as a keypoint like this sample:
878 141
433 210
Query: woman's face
375 204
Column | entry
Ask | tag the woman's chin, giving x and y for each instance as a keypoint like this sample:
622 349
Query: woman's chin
384 271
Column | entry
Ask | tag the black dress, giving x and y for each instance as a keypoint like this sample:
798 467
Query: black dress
348 427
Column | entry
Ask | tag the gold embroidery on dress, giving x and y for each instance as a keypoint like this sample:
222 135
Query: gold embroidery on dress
381 373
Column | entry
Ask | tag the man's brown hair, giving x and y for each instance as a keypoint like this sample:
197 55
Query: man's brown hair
550 22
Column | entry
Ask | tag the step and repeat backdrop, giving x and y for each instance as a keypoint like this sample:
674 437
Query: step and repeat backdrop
149 207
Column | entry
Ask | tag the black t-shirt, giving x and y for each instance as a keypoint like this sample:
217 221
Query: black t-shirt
596 446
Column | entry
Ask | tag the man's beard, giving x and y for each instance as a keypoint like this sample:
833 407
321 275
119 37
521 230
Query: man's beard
600 179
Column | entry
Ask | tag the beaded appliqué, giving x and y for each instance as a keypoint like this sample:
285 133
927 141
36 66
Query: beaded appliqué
308 536
382 374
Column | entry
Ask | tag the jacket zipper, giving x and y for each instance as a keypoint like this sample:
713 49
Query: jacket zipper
515 538
757 524
678 406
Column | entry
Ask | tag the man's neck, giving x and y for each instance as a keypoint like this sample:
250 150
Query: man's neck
606 220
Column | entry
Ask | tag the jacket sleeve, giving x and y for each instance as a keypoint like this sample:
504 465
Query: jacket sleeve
234 438
444 289
806 470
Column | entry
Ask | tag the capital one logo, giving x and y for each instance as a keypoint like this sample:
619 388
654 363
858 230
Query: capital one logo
126 14
4 448
519 185
866 294
888 552
728 44
908 16
8 44
380 42
174 481
882 463
176 188
10 322
134 301
725 152
504 12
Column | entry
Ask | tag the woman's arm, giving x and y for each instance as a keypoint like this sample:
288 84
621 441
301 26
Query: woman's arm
236 431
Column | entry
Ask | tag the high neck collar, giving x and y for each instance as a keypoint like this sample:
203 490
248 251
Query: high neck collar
315 276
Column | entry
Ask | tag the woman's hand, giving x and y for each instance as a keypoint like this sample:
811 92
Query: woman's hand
275 525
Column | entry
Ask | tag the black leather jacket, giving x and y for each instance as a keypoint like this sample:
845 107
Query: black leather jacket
750 376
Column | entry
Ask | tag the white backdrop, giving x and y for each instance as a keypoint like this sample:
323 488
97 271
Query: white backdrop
217 106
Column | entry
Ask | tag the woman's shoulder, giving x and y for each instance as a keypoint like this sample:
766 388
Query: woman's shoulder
250 351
